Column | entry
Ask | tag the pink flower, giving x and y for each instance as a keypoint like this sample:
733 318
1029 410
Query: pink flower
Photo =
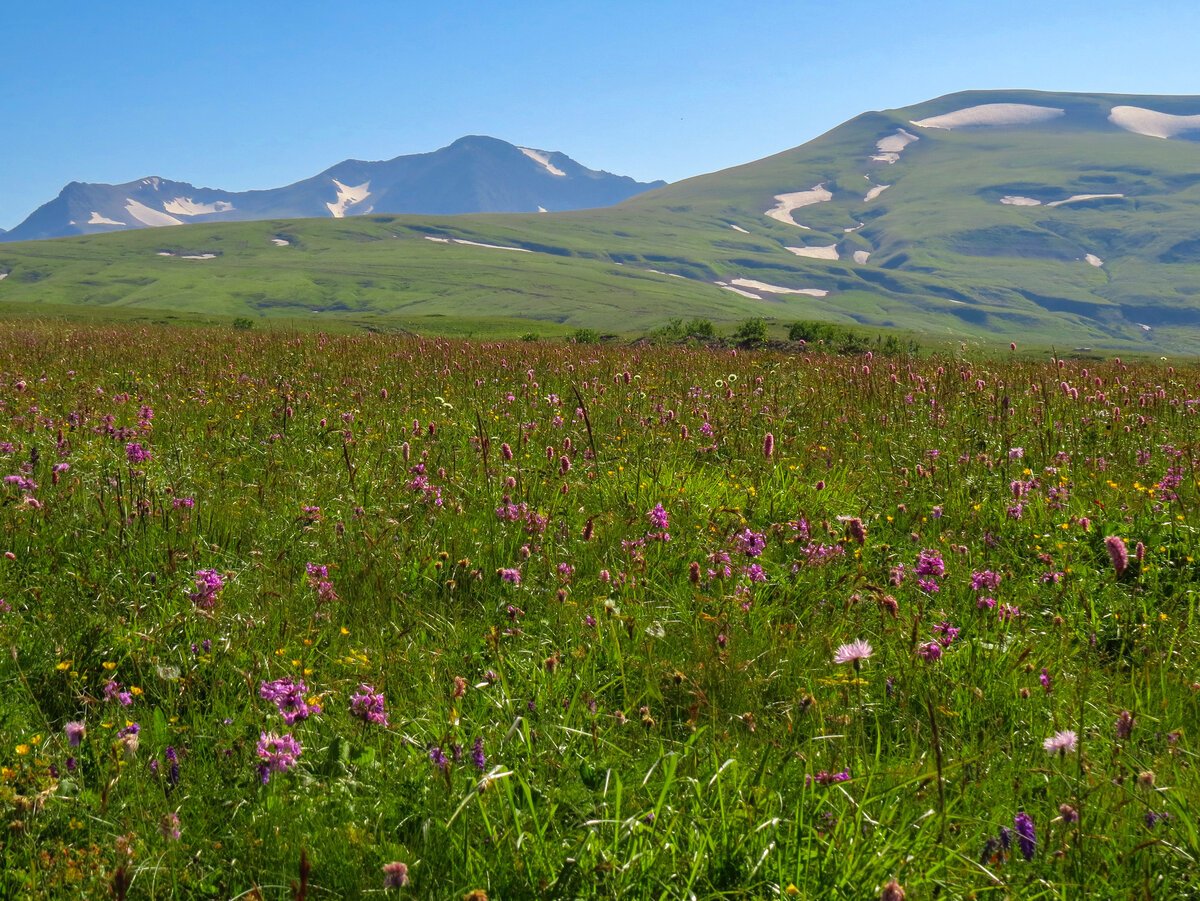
1061 742
855 652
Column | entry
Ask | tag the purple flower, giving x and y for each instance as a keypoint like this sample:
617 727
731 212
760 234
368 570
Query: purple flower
930 651
930 563
209 584
114 692
510 575
168 827
438 757
1026 836
1125 722
752 544
288 696
945 633
369 706
658 518
135 453
985 580
76 732
477 756
278 754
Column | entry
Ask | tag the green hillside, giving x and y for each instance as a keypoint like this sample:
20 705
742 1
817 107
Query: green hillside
981 233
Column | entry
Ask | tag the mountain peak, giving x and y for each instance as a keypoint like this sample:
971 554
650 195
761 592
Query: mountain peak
474 174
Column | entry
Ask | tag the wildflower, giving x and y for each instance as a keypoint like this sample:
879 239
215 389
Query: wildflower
985 580
288 696
1125 723
1026 835
750 543
1044 678
1061 742
395 874
369 706
930 563
855 528
510 575
946 633
477 755
209 584
114 692
930 651
768 448
1145 779
855 652
1153 818
438 757
278 754
135 453
1117 553
76 732
893 891
1068 813
168 827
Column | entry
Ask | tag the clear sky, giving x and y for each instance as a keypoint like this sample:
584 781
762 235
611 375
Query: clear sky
241 94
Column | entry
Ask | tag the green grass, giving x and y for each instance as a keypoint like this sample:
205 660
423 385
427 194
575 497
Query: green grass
660 719
948 260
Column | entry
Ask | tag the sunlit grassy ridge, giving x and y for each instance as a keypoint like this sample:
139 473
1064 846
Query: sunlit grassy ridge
192 515
946 257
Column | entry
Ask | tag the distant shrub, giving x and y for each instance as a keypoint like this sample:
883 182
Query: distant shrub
529 336
242 323
699 328
848 341
751 333
586 336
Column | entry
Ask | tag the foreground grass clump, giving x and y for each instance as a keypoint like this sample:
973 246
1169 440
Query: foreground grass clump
281 614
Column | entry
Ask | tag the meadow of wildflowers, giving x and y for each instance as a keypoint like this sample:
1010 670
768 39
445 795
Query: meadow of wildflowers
307 616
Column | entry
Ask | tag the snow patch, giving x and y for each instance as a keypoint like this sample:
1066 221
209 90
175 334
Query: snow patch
542 159
185 206
861 256
3 276
854 228
1080 198
475 244
1094 260
828 252
198 256
347 197
738 228
1152 123
729 287
875 191
280 242
147 216
890 148
542 209
1017 200
767 288
992 114
164 253
97 219
660 272
786 203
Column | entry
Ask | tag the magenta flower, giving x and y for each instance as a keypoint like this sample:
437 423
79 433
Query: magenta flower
658 518
209 584
76 732
135 453
1117 553
369 706
278 754
288 696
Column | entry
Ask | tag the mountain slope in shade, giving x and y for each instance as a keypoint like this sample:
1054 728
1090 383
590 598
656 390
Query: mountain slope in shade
475 174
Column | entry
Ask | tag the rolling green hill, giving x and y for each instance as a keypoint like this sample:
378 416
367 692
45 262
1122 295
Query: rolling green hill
1056 223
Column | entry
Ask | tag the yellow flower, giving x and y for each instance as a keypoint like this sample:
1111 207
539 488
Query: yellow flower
22 750
63 666
109 665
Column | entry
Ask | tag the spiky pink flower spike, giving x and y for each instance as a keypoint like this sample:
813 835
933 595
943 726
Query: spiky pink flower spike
769 446
1118 553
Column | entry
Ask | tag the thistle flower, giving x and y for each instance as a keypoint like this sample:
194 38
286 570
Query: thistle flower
855 652
76 732
1061 742
893 891
395 874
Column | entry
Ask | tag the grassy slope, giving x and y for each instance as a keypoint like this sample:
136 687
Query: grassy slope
947 258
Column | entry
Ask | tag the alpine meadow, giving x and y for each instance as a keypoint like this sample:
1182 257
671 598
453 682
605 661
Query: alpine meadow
617 451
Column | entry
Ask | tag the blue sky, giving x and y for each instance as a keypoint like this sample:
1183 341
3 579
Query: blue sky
243 95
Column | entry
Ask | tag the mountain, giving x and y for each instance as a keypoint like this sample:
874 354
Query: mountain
475 174
997 216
